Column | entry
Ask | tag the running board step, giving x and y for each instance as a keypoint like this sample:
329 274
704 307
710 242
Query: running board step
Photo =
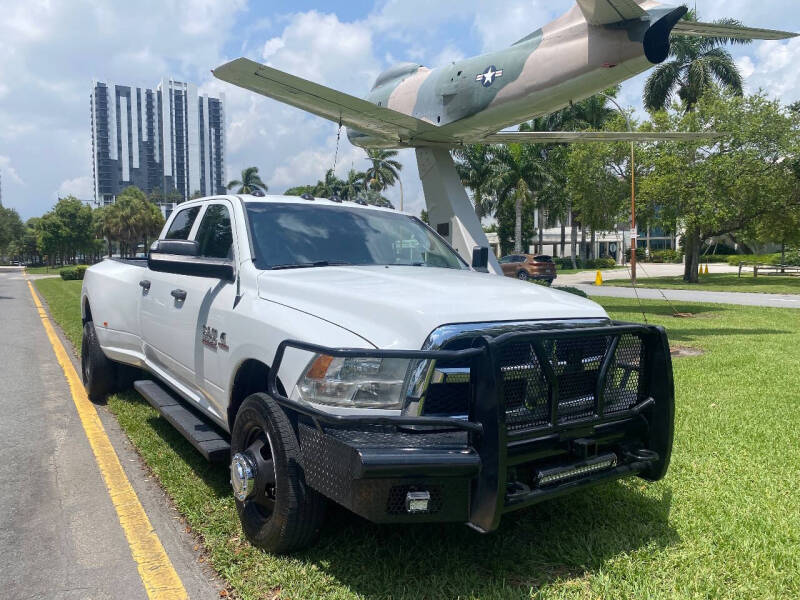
201 434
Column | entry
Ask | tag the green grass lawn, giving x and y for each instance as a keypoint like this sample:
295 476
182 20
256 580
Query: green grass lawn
724 523
721 282
64 302
46 270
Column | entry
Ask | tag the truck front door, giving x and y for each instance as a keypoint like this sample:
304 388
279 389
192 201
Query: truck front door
168 327
182 315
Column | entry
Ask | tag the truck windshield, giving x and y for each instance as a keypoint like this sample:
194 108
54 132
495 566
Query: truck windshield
306 235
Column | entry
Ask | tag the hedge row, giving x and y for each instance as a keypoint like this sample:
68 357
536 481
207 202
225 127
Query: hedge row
792 257
598 263
751 259
73 273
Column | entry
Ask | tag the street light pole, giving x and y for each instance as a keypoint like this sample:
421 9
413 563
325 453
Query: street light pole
634 234
400 181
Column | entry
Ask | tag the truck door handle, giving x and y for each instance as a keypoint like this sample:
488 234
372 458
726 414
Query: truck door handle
179 294
145 284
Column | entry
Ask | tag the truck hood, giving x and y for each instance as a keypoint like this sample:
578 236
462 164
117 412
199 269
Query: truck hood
398 307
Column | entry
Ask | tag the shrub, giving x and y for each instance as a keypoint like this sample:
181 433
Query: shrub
641 254
73 273
666 256
600 263
572 290
751 259
566 263
792 257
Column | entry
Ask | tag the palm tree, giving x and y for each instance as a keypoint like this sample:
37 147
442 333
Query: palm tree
354 185
385 170
698 63
519 173
250 182
330 186
591 113
474 166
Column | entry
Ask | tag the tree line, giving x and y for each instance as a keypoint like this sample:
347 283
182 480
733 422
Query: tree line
360 186
73 232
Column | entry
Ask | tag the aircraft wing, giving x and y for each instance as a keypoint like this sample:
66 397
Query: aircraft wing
572 137
729 31
605 12
326 102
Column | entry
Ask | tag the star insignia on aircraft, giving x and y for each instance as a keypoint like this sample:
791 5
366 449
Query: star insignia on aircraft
489 75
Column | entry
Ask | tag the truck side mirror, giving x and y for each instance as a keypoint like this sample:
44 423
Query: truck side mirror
176 247
480 259
181 258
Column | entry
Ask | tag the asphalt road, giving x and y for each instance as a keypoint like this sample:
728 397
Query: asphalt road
60 536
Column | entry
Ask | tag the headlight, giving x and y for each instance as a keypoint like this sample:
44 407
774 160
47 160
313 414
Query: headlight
353 382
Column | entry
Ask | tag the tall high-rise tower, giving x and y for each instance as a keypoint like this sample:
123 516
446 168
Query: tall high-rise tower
169 138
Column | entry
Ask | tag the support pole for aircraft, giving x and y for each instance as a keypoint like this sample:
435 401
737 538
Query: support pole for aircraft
634 234
449 210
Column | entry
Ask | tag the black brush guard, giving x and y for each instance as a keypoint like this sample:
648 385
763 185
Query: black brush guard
489 464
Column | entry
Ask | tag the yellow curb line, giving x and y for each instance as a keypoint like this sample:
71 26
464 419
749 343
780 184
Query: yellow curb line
155 568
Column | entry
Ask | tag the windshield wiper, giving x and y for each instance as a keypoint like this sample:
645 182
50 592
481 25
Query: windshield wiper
308 265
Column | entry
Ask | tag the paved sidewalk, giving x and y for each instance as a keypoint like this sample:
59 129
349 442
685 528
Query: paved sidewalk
740 298
60 536
644 271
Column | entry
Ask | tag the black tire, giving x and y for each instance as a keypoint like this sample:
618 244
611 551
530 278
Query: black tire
98 372
523 276
283 514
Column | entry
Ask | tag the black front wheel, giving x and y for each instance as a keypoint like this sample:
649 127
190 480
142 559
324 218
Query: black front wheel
523 276
98 372
278 511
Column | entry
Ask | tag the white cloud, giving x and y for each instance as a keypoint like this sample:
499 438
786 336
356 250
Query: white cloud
80 187
745 66
52 49
773 68
322 48
9 171
290 146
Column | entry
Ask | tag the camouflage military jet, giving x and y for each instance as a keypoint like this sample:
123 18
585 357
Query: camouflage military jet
597 44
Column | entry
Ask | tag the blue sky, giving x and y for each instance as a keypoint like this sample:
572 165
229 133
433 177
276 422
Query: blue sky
52 49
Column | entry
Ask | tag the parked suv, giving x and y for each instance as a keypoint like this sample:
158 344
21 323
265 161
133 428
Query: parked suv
529 266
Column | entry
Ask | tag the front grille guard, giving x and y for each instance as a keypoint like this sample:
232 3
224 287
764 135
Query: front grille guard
486 424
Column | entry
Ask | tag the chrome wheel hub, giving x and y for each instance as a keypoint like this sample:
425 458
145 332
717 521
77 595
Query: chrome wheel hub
243 476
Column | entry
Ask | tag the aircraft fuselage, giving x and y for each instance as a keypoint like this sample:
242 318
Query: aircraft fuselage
563 62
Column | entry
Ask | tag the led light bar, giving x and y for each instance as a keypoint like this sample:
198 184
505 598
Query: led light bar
561 474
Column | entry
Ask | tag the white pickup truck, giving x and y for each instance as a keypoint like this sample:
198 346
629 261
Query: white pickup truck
329 350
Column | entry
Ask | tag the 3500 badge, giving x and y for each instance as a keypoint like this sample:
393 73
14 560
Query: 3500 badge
213 339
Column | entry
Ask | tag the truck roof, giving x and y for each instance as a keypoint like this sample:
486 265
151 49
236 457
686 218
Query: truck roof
272 198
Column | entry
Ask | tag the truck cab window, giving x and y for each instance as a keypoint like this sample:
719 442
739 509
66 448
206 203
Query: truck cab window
214 234
181 225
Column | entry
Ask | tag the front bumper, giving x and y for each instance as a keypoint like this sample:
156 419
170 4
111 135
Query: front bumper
479 469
